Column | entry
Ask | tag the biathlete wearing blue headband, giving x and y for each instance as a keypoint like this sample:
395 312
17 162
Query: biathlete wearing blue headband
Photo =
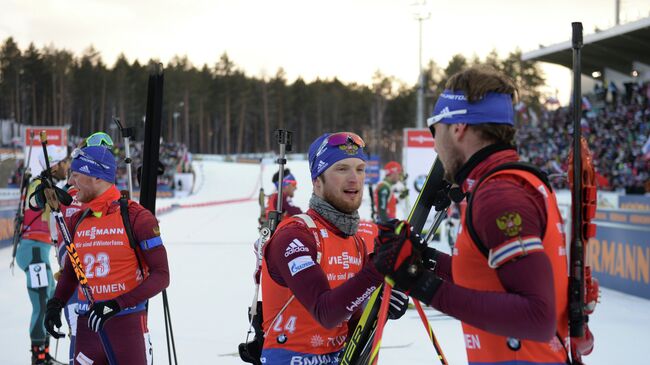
329 148
507 280
453 107
316 274
124 267
289 186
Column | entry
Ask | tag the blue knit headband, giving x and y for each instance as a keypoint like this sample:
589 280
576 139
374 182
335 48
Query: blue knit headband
453 107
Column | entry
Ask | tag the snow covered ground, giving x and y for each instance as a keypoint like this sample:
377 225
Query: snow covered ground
211 260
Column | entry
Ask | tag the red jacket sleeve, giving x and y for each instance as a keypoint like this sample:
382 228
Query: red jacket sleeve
328 306
67 283
527 309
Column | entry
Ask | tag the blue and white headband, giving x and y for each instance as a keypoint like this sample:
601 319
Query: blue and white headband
453 107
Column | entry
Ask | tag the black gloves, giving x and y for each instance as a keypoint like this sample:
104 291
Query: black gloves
399 303
395 254
429 257
101 312
37 200
405 258
53 317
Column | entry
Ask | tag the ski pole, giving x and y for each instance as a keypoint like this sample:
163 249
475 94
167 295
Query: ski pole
429 329
127 134
20 212
417 219
73 254
168 323
437 220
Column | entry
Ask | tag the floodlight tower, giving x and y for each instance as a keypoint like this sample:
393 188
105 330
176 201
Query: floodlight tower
420 14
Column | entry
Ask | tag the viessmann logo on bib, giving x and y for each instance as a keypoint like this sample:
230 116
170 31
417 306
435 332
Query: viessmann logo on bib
93 232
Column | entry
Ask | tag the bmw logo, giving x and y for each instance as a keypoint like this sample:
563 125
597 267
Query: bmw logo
513 344
418 183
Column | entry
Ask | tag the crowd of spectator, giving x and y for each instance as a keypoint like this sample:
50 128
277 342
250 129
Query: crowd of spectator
616 127
615 123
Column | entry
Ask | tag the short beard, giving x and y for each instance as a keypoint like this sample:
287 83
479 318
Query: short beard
455 165
340 205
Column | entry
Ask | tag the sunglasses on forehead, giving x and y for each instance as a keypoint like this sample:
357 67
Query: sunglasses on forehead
78 153
338 139
341 138
99 139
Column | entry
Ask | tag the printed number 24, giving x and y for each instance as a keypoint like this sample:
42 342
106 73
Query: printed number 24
289 326
98 266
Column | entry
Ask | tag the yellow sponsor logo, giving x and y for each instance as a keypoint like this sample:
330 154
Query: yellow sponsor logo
510 224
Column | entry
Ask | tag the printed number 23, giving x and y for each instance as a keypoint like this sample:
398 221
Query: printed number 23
289 326
98 266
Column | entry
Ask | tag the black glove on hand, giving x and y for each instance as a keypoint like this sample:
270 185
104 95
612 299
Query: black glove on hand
101 312
403 256
429 257
398 253
39 200
399 303
53 317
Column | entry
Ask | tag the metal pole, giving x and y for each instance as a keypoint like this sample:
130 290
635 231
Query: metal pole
420 102
420 16
617 15
127 152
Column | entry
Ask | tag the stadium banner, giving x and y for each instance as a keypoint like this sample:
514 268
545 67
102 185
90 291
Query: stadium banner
606 199
418 155
619 255
634 202
372 170
56 136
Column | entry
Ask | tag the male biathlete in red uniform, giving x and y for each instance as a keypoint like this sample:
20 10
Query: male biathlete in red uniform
385 198
121 277
507 279
316 274
289 186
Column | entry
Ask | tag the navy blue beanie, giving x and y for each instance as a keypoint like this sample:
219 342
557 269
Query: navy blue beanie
95 161
322 155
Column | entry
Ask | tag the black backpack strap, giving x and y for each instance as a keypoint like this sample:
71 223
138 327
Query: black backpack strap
124 211
84 214
506 166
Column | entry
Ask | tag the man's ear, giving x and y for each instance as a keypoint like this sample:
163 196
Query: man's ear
318 184
460 130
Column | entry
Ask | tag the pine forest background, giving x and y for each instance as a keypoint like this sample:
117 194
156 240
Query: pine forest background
219 108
